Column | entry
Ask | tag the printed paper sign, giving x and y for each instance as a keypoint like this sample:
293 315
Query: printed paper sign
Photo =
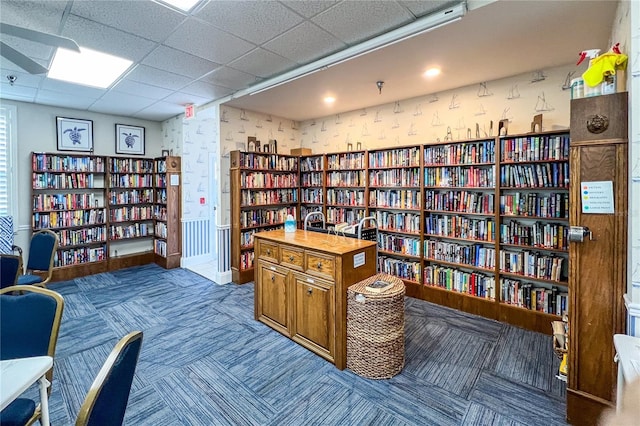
597 197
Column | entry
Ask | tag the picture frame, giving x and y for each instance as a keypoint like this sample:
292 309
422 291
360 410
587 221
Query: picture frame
74 134
130 139
165 153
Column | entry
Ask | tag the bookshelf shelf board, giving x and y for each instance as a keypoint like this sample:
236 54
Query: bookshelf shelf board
513 216
264 225
68 210
459 293
115 222
455 212
398 231
510 162
527 278
312 203
395 208
461 265
347 206
67 189
392 253
57 172
552 317
245 248
474 188
432 165
53 228
260 206
88 262
139 237
535 248
81 245
404 187
460 239
535 188
310 186
131 204
346 187
246 169
256 188
128 188
394 167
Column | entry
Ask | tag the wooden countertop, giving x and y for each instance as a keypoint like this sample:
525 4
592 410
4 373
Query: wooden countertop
328 243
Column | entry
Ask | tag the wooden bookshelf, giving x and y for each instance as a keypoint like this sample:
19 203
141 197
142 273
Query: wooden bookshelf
346 187
312 189
167 241
264 190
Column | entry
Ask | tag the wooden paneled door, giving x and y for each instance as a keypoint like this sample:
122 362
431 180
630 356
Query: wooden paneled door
597 276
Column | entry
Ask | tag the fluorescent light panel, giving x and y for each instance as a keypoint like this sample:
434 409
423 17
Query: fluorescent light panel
420 26
184 5
88 68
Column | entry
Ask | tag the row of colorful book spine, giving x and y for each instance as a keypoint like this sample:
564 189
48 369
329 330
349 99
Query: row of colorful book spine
473 283
256 161
67 163
274 196
262 180
462 153
78 255
460 176
401 157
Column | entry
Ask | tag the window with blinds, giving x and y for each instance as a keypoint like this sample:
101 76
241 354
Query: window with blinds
8 147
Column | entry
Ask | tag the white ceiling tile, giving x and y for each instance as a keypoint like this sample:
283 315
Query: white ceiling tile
354 21
421 8
262 63
70 100
229 77
160 111
64 87
21 13
305 43
142 18
181 98
205 41
136 88
13 92
212 91
179 62
309 8
106 39
256 21
156 77
120 104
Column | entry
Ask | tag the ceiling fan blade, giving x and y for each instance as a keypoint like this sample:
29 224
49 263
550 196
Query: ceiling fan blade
24 62
39 37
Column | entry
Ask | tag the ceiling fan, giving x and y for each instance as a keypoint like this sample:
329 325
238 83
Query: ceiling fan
22 60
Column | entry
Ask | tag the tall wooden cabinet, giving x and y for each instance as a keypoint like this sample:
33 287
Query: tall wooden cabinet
167 211
597 280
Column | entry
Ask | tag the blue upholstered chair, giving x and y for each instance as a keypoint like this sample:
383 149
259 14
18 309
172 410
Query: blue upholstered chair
29 324
106 401
42 250
10 269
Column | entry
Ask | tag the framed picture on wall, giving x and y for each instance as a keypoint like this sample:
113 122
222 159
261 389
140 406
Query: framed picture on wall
129 139
74 134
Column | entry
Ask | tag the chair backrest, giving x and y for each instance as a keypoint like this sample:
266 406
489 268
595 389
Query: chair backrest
29 322
10 268
42 250
106 401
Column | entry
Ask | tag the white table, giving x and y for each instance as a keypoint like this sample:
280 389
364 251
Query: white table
16 375
628 358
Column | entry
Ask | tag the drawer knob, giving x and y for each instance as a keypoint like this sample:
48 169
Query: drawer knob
268 252
309 291
319 265
291 258
273 278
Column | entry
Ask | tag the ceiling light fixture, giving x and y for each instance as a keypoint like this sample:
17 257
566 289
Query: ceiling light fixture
420 26
89 67
183 5
329 100
432 72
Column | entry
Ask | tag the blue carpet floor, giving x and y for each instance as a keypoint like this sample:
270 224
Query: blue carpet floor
206 361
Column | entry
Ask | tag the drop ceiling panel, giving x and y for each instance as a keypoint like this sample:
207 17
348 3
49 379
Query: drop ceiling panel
106 39
48 97
23 78
120 104
21 13
309 8
34 50
64 87
17 92
228 77
159 111
156 77
421 8
305 43
181 98
179 62
262 63
146 19
354 22
135 88
201 88
256 21
202 39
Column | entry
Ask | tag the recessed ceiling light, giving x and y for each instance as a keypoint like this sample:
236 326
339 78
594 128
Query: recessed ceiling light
329 100
184 5
432 72
89 67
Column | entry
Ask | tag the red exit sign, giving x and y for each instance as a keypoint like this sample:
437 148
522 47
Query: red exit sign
189 111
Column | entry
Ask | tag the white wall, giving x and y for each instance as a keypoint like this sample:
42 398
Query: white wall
36 131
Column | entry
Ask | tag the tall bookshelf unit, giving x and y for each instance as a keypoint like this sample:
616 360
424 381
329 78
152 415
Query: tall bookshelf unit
131 201
395 201
312 191
477 225
68 197
167 212
346 187
264 191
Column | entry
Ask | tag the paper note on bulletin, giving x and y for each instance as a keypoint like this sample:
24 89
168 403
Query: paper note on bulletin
358 260
175 180
597 197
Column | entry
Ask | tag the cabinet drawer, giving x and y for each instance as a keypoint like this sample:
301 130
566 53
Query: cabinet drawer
268 251
291 257
320 264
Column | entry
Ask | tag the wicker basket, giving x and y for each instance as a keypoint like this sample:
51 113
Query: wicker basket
375 328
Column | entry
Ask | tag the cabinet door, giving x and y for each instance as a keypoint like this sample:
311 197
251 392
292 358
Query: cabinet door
272 296
314 314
